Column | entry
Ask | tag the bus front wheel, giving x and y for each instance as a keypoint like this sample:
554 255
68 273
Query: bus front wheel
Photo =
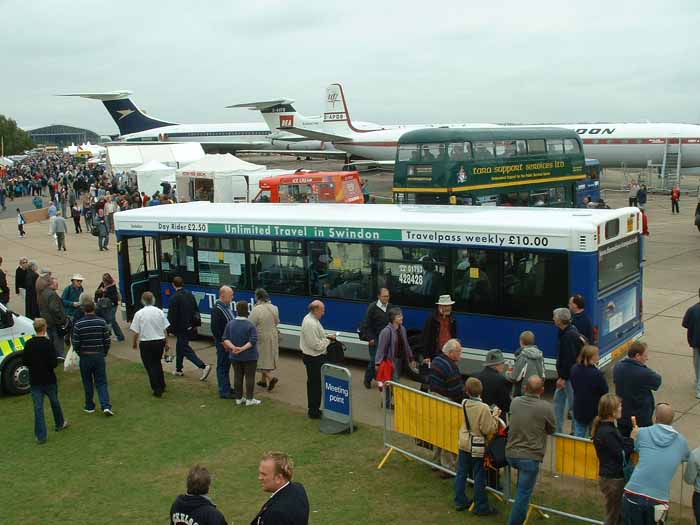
15 377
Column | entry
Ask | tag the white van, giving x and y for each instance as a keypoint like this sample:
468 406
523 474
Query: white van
15 330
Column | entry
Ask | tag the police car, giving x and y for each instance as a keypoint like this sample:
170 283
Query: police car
15 330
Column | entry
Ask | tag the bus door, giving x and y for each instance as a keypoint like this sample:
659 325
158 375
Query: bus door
140 268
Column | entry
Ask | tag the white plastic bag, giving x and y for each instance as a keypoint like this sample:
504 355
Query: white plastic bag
72 361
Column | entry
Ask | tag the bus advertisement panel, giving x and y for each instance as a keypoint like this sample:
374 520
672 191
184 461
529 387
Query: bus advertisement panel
505 268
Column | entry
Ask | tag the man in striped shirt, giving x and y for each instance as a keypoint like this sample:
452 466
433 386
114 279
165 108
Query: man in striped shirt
91 340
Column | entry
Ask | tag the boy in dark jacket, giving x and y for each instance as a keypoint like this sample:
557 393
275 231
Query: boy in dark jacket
40 358
635 383
195 506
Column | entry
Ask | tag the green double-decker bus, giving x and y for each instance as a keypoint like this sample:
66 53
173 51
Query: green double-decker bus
500 166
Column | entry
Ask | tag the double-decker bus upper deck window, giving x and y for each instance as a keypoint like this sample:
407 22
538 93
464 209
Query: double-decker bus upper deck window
430 152
279 266
415 275
572 146
222 261
520 148
536 146
408 152
505 148
483 150
341 270
460 151
555 146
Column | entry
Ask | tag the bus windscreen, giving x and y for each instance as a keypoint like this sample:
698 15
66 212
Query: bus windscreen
618 261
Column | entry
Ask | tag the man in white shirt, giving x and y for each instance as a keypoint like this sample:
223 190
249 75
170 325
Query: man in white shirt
110 209
313 342
150 331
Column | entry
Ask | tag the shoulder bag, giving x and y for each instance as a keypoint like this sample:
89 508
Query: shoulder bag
467 440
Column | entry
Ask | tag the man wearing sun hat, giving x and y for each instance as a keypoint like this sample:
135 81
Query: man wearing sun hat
497 388
71 295
439 328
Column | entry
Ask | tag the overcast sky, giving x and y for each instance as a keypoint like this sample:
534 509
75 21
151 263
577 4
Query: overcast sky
400 62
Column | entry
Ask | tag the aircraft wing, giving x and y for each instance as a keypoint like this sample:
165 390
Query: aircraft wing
262 104
317 153
371 164
108 95
316 135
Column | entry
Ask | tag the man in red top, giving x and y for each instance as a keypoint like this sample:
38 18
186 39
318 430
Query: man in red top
439 328
675 197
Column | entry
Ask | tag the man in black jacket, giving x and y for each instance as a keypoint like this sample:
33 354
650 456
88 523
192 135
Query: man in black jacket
31 304
51 309
635 384
195 506
39 357
375 320
21 276
288 504
568 348
496 388
181 314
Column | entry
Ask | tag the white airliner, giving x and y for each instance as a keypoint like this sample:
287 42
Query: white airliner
634 145
135 126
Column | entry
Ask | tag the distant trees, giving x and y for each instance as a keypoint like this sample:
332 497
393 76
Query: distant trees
15 140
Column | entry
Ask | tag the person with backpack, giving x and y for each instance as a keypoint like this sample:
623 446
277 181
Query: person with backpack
529 361
183 316
569 346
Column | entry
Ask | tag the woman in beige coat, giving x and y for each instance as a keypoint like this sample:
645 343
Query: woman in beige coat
265 316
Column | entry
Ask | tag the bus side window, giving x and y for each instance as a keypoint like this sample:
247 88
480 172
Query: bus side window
177 258
279 266
431 152
456 151
535 146
475 278
520 148
408 152
341 270
483 150
415 276
555 146
571 146
505 148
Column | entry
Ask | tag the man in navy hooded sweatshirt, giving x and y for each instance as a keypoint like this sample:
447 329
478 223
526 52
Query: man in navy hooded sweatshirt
661 449
195 506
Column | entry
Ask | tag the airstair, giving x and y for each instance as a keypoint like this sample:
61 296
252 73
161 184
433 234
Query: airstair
671 166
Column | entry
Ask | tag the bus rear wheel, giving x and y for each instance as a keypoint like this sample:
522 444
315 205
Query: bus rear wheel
15 377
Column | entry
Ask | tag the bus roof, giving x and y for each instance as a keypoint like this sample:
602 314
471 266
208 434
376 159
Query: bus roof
430 135
391 221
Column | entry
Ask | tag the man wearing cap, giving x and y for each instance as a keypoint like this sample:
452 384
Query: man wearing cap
496 387
439 328
71 295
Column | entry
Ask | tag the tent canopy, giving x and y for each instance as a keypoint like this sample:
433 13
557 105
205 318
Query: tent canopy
124 157
150 174
217 164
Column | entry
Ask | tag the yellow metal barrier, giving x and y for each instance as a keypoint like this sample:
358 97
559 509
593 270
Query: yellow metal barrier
575 457
429 418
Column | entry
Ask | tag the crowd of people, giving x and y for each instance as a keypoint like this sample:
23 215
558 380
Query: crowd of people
625 427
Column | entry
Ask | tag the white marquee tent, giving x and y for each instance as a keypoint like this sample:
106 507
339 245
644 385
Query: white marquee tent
125 157
219 178
150 174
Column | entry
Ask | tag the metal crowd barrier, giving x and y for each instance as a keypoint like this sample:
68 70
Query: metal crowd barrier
567 486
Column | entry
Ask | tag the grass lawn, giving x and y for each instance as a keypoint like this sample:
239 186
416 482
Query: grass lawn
128 469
